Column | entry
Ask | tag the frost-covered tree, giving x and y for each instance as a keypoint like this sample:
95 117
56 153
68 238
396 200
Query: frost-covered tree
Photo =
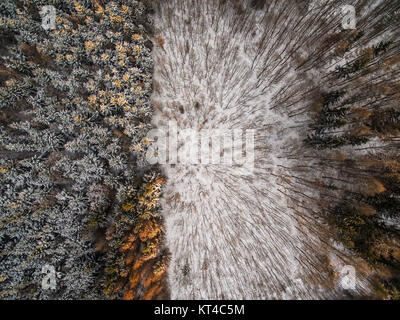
74 112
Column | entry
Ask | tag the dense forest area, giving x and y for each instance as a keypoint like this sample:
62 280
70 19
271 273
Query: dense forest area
77 193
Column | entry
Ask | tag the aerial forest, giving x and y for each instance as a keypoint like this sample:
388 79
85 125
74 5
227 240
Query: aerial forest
314 90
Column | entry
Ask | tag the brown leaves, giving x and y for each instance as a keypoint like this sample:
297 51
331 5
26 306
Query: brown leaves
365 209
361 113
150 230
342 48
338 156
160 41
386 250
360 130
372 187
33 53
7 74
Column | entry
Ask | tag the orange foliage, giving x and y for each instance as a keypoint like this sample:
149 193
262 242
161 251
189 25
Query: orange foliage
129 295
152 292
361 113
338 156
134 279
362 130
160 41
150 230
145 262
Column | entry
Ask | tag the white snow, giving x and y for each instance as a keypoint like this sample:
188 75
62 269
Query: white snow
235 228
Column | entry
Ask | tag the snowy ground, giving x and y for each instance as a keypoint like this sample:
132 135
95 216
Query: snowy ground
234 232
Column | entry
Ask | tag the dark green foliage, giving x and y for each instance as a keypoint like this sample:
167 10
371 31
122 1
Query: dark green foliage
332 97
333 142
331 117
382 47
360 63
385 121
356 230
